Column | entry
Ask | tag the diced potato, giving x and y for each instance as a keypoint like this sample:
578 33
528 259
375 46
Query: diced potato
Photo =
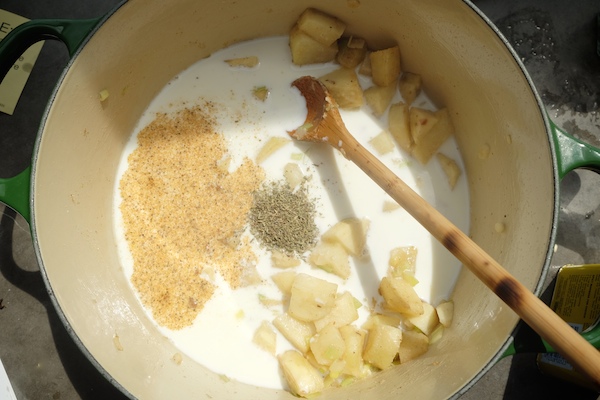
402 259
298 333
343 313
292 174
451 169
421 123
344 87
336 368
247 62
427 321
352 51
354 340
385 66
267 301
304 379
223 164
282 260
322 27
436 334
410 277
311 298
383 143
379 98
409 86
327 345
365 66
320 367
103 95
399 125
413 345
260 93
445 311
265 337
400 296
383 343
306 50
377 319
389 206
331 257
272 145
429 144
284 281
350 233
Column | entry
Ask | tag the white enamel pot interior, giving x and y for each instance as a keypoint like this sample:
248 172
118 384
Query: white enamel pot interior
465 65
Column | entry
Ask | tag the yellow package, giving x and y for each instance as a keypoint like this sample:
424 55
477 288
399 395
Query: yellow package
576 299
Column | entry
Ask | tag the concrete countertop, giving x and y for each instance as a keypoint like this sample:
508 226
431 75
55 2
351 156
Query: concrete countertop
557 43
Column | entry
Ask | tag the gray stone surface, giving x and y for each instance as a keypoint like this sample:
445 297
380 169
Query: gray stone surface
557 42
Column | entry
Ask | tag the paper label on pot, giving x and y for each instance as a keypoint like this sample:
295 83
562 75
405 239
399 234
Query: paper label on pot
13 84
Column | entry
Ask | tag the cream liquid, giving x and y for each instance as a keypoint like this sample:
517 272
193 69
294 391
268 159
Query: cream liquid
221 336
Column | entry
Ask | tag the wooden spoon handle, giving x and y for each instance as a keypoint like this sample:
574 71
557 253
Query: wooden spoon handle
582 355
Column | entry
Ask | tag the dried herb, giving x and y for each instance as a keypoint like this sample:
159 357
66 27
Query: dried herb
283 219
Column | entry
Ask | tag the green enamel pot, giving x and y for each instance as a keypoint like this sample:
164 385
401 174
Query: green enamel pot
467 65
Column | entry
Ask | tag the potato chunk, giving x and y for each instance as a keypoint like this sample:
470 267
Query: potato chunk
409 86
352 51
247 62
350 233
284 281
331 257
400 296
343 313
270 147
292 174
328 345
385 66
427 321
265 338
344 87
450 168
379 98
421 123
306 50
383 343
303 378
298 333
282 260
428 143
402 259
322 27
354 339
311 298
445 311
413 345
383 143
399 125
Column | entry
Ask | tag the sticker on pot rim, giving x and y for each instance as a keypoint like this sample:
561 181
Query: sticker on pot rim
13 84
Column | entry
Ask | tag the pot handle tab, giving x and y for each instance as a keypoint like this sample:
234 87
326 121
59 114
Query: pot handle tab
528 341
14 192
572 153
72 32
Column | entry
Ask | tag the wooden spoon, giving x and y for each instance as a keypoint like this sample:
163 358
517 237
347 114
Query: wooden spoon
324 124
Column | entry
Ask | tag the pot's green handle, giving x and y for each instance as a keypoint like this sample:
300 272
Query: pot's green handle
571 154
528 341
15 191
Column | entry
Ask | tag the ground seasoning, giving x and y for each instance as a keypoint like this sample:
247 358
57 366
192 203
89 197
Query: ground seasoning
184 213
283 219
